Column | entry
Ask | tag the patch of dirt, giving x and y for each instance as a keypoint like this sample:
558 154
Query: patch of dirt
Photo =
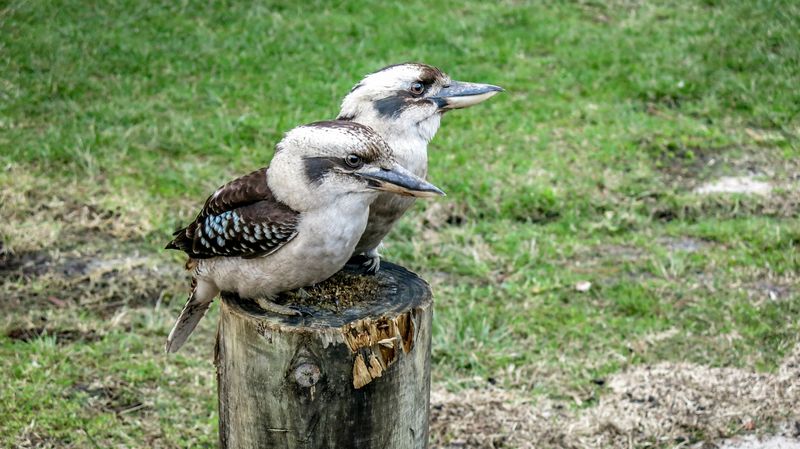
605 254
735 184
764 286
680 163
732 169
677 402
38 263
767 185
620 252
701 179
786 204
38 215
665 405
101 280
493 418
609 11
765 290
114 397
683 244
606 264
75 244
63 336
753 442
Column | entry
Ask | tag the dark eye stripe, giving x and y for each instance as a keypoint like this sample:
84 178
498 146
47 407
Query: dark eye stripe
394 105
317 167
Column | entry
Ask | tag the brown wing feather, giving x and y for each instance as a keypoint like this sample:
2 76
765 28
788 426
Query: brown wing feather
242 191
241 219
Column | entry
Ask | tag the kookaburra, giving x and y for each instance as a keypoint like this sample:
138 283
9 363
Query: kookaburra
292 224
404 103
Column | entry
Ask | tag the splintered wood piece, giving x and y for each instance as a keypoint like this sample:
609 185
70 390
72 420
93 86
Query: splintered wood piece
353 372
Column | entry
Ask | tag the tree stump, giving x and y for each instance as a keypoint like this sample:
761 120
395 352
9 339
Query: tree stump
353 374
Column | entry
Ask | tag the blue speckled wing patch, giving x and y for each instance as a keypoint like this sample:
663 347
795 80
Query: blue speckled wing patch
241 219
240 232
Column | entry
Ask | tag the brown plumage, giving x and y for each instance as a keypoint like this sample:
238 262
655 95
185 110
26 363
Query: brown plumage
242 218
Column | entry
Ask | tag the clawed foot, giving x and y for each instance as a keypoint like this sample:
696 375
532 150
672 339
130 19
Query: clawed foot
368 263
372 264
303 311
294 310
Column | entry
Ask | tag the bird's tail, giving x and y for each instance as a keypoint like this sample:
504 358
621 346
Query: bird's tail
203 292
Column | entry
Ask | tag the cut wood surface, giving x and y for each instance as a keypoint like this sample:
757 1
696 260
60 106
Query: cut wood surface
353 372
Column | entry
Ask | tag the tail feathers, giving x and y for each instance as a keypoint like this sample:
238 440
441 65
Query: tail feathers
197 305
181 240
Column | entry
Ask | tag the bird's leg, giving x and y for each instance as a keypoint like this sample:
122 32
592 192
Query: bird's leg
373 262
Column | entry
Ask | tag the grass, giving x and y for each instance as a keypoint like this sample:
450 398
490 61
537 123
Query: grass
116 119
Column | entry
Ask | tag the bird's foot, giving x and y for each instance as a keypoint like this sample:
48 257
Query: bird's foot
270 306
372 264
303 311
366 263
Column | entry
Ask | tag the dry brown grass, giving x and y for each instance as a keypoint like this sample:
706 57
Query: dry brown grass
665 405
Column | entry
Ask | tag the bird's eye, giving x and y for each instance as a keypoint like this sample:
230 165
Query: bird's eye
353 161
417 88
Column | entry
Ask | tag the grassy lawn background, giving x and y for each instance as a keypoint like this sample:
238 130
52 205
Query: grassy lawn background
117 119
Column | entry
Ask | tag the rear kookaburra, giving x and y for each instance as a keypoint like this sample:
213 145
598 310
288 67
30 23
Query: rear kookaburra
291 225
404 103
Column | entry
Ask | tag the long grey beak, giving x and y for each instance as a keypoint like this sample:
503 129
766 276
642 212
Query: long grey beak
461 94
400 181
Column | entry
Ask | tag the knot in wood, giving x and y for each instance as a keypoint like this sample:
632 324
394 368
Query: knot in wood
307 375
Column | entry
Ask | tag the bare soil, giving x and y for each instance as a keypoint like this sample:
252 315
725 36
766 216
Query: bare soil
646 406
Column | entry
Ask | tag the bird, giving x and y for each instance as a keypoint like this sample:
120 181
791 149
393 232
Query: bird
291 224
404 104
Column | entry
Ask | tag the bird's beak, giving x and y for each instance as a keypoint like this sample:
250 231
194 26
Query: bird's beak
459 94
400 181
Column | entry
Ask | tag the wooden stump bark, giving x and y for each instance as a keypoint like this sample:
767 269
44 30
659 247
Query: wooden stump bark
354 374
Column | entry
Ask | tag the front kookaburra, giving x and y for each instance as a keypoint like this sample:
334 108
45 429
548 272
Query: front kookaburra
404 103
291 225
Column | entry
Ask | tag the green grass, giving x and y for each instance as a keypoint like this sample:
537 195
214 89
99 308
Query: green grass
116 119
